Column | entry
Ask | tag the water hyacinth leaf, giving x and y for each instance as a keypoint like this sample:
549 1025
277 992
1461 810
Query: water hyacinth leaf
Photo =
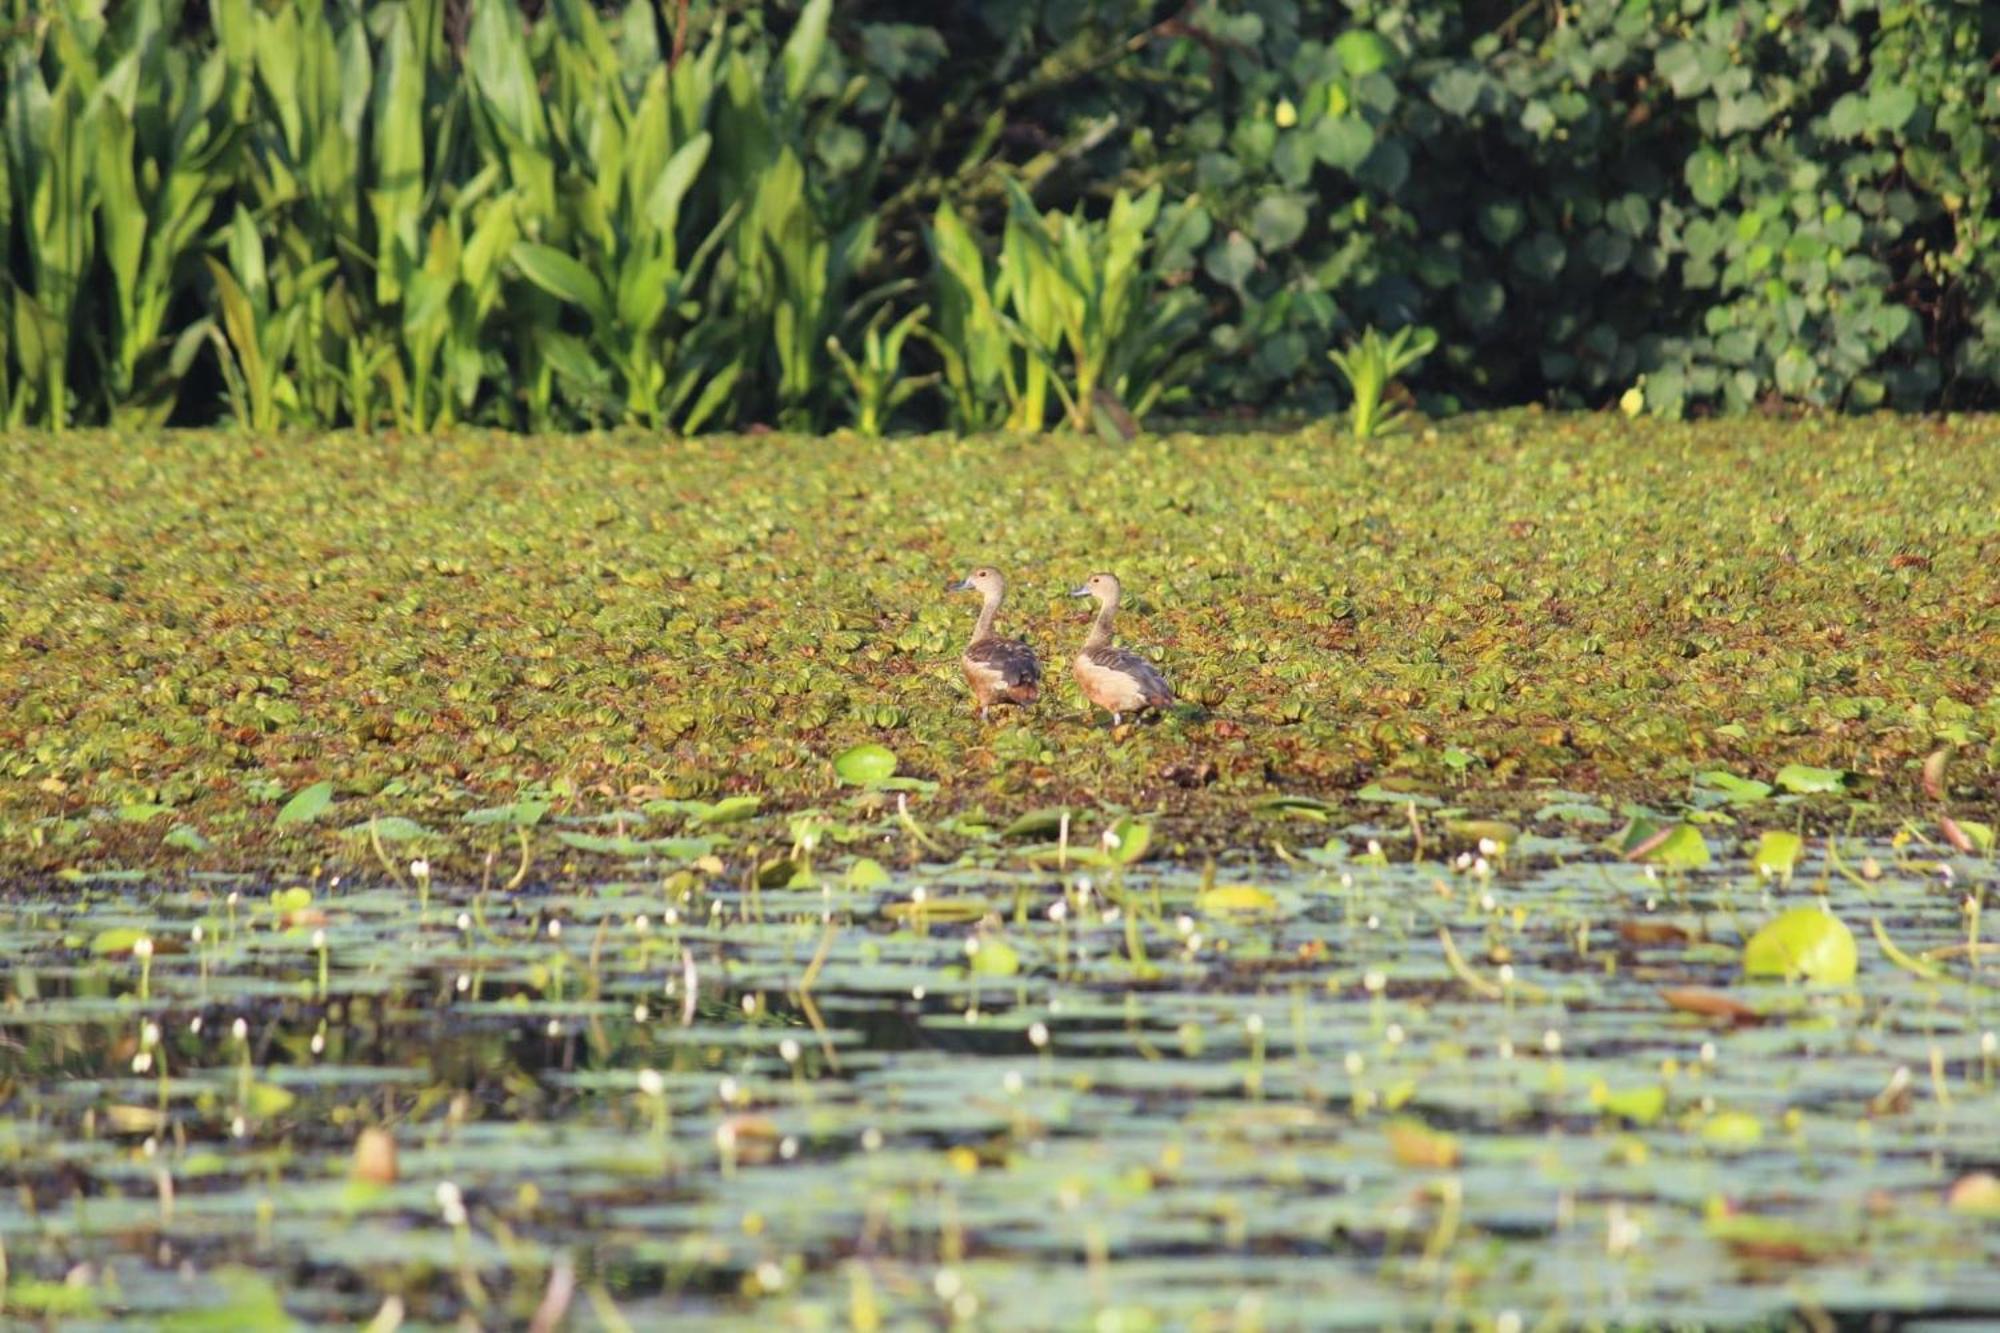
1035 824
1476 831
522 814
1574 812
307 805
268 1099
1732 1131
1680 847
995 958
938 909
1375 791
1237 900
1287 805
1777 852
1640 1106
1967 835
865 873
865 765
394 828
1413 1143
1126 841
116 941
1805 943
728 810
1806 780
1738 791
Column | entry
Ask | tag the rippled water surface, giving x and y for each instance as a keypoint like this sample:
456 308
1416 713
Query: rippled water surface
1338 1091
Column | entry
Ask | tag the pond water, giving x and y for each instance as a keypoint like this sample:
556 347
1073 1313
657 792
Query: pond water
1344 1091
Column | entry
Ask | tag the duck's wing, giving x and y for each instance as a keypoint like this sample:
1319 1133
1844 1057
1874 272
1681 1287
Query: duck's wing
1152 685
1009 660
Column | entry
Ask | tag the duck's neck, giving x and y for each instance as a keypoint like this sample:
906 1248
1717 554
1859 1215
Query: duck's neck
1100 628
988 609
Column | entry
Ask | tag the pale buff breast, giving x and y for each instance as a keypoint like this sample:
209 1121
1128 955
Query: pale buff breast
1111 690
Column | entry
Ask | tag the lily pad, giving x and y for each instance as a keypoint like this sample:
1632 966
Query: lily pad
866 765
1805 780
1806 942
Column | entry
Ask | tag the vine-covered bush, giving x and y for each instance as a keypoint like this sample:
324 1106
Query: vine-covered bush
688 216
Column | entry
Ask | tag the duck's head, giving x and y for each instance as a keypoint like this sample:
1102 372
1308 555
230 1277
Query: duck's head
1104 587
985 581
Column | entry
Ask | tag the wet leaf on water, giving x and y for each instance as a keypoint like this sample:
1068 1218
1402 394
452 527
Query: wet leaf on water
728 810
1770 1239
1679 847
673 849
866 873
1283 805
1966 835
1237 900
1978 1194
1652 932
1806 780
522 814
1376 791
1413 1143
865 765
1737 791
995 958
116 941
1933 777
306 806
1732 1130
1712 1004
1035 824
375 1156
1573 812
294 899
1640 1106
1475 831
1805 942
937 909
1777 852
124 1118
394 828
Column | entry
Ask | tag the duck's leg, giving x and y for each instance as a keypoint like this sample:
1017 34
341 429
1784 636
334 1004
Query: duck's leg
982 712
1115 719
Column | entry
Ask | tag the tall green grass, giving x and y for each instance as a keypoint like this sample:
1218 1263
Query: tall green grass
310 214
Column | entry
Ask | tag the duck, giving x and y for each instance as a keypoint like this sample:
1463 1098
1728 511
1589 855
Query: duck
1000 671
1115 679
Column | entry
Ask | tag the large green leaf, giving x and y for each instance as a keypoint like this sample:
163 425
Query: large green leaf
563 277
308 804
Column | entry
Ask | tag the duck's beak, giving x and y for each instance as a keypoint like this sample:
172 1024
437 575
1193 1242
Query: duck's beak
1079 592
963 585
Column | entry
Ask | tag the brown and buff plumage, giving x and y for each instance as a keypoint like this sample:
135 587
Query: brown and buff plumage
1000 671
1116 680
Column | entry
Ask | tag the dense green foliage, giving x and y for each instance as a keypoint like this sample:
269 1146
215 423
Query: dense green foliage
202 625
421 212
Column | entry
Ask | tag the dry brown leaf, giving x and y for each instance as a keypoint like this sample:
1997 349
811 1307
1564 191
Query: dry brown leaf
1711 1004
1652 932
375 1156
